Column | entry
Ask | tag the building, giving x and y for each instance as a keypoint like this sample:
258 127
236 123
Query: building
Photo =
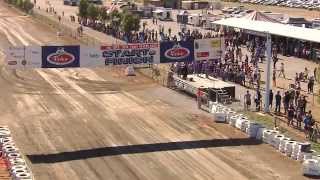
194 4
175 4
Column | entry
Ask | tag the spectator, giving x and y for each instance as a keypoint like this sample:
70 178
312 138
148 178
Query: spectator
290 115
258 100
310 84
286 100
247 100
270 98
308 124
282 71
274 80
304 104
199 97
278 102
275 60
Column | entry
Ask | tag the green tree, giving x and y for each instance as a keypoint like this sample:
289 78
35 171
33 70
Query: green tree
130 23
92 12
19 3
83 8
115 18
103 15
28 6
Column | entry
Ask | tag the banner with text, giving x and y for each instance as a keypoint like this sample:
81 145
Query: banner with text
206 49
131 54
23 57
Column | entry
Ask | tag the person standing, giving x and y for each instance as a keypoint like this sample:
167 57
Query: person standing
278 102
286 100
282 71
247 100
315 71
274 80
304 104
290 115
270 98
310 85
258 100
199 97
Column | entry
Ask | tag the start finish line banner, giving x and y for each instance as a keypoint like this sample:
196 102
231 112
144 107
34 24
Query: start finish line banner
82 56
75 56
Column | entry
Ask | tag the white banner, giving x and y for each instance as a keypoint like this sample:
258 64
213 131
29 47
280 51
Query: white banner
23 57
205 49
82 56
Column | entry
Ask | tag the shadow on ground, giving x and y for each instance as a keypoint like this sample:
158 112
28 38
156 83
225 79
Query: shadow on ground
140 148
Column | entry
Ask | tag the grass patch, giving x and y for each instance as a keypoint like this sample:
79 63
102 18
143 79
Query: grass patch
263 119
268 121
316 147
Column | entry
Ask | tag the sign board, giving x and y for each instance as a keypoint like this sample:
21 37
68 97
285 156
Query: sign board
131 54
23 57
205 49
182 51
60 56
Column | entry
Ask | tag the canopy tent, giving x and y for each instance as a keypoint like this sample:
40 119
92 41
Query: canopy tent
312 35
260 16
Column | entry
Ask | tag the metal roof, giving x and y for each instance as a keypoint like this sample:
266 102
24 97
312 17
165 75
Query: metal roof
278 29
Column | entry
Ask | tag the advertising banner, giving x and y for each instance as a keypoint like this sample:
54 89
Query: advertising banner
23 57
131 54
82 56
212 48
182 51
91 57
60 56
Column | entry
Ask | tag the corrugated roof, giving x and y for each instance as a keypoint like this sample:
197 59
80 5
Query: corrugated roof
301 33
259 16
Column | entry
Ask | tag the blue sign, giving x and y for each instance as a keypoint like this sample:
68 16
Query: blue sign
181 51
60 56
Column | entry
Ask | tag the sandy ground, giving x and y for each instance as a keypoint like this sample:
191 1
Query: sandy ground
99 124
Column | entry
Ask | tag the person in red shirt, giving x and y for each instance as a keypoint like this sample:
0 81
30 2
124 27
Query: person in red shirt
199 97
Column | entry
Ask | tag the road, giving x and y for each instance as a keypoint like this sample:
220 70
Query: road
99 124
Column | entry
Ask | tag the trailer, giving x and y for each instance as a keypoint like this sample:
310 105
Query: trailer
215 90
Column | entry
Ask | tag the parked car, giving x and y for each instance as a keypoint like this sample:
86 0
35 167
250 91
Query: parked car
306 4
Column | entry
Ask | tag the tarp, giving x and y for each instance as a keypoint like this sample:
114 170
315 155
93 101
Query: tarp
307 34
260 16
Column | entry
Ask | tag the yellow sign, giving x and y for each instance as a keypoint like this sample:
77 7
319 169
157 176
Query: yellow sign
216 43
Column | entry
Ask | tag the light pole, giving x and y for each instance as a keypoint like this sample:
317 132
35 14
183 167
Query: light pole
268 45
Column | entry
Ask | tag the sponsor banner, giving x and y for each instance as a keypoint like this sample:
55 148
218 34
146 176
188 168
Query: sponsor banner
181 51
23 57
91 57
60 56
130 54
212 48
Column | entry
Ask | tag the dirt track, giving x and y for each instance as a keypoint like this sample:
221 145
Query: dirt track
99 124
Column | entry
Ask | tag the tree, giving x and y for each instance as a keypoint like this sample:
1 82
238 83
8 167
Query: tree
103 15
92 12
19 3
27 5
116 19
130 23
83 8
